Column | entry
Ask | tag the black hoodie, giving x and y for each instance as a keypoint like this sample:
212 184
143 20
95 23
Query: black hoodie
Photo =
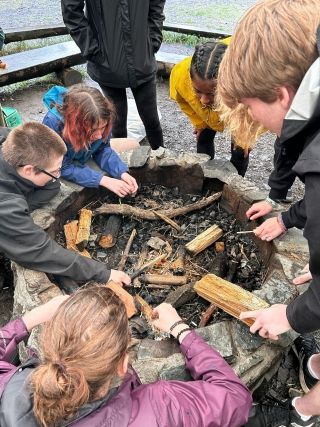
22 241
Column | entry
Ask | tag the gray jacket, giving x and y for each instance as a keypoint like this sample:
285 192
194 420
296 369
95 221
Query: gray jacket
21 240
118 38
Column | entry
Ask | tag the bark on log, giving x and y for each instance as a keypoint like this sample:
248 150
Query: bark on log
159 279
228 296
203 240
125 297
219 265
207 315
110 233
126 251
168 221
127 210
83 228
70 232
144 307
177 265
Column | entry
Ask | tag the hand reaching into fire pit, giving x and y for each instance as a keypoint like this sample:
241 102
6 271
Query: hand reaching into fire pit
121 187
168 320
270 229
259 209
119 277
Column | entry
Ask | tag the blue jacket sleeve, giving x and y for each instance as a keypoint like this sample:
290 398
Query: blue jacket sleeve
82 175
52 121
109 161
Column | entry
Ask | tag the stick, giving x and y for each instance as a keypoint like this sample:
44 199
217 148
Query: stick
132 211
169 280
148 264
127 250
143 255
83 228
207 315
245 232
177 266
168 221
144 307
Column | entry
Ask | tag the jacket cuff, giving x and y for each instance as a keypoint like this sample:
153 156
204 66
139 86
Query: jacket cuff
278 194
192 344
20 329
286 220
290 316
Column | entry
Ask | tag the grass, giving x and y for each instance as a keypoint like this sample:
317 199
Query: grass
185 39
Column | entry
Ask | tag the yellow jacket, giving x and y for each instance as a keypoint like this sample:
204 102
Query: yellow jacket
181 91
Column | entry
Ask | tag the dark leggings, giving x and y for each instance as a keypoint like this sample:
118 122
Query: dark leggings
205 145
146 100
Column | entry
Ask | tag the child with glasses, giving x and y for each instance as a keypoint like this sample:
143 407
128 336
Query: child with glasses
83 117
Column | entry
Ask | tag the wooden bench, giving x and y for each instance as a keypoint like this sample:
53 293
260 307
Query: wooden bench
57 57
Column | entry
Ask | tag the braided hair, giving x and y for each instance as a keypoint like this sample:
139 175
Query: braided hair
206 60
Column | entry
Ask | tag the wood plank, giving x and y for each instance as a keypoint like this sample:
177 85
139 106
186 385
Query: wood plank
204 239
125 297
39 32
229 297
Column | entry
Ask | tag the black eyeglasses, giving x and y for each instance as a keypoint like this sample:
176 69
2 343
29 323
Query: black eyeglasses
54 178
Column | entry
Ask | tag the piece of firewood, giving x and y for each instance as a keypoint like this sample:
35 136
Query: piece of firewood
229 297
70 232
142 257
110 233
177 265
207 315
160 279
125 297
139 213
144 307
204 239
83 228
219 247
219 265
168 221
148 264
126 251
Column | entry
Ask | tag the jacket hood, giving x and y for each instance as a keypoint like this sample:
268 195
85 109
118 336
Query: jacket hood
305 107
54 97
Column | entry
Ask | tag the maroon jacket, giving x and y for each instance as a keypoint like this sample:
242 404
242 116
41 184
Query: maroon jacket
216 397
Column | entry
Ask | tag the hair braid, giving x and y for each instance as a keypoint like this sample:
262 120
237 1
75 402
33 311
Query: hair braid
206 60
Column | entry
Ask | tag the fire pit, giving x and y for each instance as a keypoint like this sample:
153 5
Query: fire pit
170 182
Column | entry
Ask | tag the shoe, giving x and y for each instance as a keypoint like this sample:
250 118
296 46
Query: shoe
275 415
304 347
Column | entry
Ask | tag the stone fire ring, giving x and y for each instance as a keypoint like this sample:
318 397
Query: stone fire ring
253 358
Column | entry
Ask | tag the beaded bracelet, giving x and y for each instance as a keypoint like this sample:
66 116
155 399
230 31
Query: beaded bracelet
182 331
178 322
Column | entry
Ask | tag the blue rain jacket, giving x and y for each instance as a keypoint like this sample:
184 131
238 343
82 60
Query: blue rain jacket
74 166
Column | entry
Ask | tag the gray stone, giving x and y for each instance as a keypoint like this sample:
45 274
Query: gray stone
156 243
277 289
175 369
181 295
218 169
294 245
138 157
290 267
151 349
149 370
218 336
244 340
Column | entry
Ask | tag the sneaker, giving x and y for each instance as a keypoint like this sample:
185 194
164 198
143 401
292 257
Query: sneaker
304 347
275 415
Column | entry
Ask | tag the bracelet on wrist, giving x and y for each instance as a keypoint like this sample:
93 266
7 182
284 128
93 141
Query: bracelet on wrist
182 331
178 322
281 223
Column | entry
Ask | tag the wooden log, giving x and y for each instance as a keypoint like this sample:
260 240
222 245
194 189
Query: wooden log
178 265
204 239
144 307
219 265
207 315
83 229
168 221
229 297
70 232
126 251
160 279
125 297
232 270
110 233
132 211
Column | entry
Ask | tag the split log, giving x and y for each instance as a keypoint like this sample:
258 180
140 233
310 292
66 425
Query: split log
148 264
125 297
177 266
229 297
159 279
110 233
70 232
127 250
144 307
168 221
132 211
207 315
204 239
83 228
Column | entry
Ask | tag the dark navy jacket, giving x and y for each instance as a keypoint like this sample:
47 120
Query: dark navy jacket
74 166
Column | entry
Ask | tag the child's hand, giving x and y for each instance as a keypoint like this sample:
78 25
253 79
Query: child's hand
117 186
119 277
44 312
258 209
304 276
132 183
197 133
269 229
165 316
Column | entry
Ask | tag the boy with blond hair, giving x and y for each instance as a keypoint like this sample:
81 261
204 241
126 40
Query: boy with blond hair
30 165
270 77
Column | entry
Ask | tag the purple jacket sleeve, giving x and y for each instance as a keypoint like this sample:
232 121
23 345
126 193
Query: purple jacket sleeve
109 161
216 397
10 336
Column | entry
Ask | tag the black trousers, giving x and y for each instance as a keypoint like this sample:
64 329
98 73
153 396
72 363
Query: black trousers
205 145
145 96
